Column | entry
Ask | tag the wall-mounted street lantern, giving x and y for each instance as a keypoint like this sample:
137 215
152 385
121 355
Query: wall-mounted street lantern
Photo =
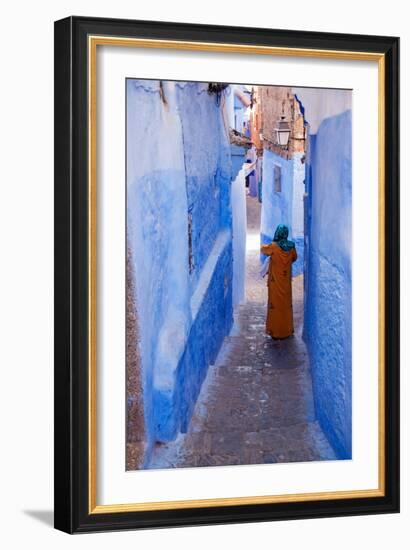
282 132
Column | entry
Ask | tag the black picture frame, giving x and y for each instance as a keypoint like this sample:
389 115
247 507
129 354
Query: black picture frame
71 492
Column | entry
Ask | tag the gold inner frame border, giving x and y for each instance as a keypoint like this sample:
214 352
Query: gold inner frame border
93 42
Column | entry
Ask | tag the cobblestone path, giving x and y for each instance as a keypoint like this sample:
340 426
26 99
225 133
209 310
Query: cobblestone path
256 404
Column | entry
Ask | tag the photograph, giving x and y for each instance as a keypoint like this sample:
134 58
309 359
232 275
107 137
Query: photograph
227 274
238 274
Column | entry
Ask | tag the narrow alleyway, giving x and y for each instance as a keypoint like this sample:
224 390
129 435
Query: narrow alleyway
256 404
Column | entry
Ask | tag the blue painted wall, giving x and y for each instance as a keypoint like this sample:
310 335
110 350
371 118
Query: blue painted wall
211 324
240 115
208 168
328 325
238 156
285 206
178 166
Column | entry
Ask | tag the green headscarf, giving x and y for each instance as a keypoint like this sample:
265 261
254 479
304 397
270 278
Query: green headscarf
281 238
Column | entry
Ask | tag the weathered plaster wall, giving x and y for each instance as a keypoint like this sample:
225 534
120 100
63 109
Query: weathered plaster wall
178 169
275 101
208 168
256 119
238 201
211 306
229 105
241 104
285 206
238 157
328 329
319 104
136 440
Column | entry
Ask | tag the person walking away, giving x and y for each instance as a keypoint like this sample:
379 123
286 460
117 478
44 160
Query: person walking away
282 252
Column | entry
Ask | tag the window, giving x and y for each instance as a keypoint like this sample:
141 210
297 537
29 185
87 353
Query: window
277 178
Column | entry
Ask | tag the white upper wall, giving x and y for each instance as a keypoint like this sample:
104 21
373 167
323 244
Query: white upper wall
321 103
228 105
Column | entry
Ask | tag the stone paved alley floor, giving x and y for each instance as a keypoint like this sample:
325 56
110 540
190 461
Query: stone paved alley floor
256 404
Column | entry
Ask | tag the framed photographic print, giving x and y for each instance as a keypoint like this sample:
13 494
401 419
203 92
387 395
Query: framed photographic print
226 274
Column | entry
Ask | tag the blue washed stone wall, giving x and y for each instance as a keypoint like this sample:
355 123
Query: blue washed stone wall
297 267
208 168
328 324
212 318
178 162
308 303
238 155
211 324
280 207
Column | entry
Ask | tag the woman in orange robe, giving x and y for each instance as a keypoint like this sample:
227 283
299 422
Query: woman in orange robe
279 320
